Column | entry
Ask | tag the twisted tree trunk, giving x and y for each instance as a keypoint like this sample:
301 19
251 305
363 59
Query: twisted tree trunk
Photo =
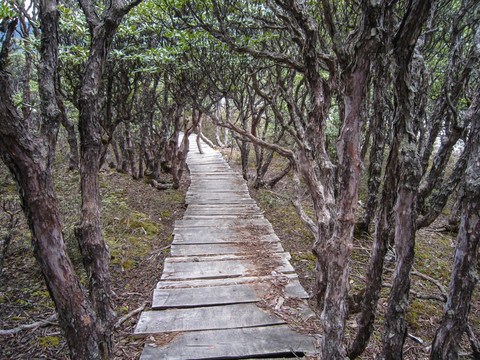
409 177
465 274
95 254
29 160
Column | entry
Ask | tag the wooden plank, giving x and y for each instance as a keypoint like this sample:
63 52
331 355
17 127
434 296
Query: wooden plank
189 236
233 191
222 257
221 210
216 174
175 284
220 180
223 207
212 269
215 224
224 191
224 217
203 270
278 340
293 288
218 201
203 296
216 196
204 318
211 249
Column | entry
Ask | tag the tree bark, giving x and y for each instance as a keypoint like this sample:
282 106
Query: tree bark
465 274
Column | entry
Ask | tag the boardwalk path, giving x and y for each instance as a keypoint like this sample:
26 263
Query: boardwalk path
228 288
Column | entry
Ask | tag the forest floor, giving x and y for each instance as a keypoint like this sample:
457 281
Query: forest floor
138 222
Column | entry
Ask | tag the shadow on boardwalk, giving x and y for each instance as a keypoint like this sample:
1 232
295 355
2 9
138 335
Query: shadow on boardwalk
228 289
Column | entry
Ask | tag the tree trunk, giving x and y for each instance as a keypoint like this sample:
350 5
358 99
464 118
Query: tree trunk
395 332
373 282
118 157
440 161
439 200
217 136
465 274
378 125
130 151
199 133
30 163
337 249
34 177
71 135
274 180
244 147
142 149
27 95
95 254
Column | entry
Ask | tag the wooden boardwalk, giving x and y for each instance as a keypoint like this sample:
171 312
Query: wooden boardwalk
228 289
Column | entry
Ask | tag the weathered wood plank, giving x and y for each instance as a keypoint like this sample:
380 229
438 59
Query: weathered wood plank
215 196
293 289
222 211
203 296
197 270
224 217
189 236
211 269
223 257
277 340
204 318
175 284
215 249
218 201
223 207
230 223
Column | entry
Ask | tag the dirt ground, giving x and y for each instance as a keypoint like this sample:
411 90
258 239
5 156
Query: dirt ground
137 222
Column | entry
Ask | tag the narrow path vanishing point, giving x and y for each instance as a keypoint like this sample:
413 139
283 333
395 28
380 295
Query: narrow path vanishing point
228 289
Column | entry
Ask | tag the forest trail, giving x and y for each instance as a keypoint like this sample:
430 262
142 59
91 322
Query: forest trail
227 289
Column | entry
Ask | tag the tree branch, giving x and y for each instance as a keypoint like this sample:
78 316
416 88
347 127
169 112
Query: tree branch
304 218
436 282
130 314
6 42
48 321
